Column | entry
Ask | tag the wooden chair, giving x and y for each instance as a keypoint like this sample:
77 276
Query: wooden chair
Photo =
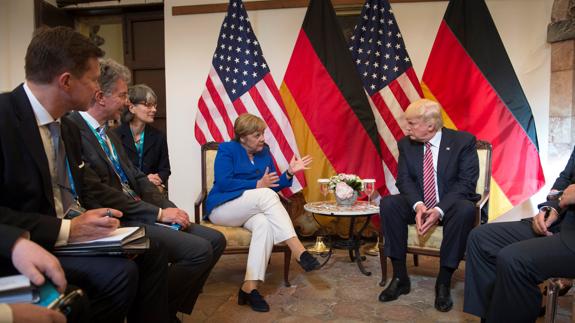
429 244
238 238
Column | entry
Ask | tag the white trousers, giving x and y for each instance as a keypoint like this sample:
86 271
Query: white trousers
261 212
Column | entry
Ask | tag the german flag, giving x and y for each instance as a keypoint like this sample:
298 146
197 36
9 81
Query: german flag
470 74
327 106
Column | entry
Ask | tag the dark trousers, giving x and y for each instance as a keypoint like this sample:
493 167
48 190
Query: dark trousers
396 214
505 263
118 287
192 254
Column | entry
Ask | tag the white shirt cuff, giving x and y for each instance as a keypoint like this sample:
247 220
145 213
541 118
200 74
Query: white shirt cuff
441 214
416 204
64 233
159 215
6 315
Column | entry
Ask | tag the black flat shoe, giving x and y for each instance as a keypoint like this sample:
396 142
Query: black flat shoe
308 262
254 299
443 301
395 288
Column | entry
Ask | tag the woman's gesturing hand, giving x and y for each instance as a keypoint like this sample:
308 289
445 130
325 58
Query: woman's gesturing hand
268 180
297 164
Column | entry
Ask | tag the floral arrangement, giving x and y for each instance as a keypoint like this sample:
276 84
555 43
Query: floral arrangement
344 185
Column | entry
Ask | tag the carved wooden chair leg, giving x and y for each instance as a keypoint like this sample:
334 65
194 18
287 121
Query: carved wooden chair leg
416 260
382 261
287 260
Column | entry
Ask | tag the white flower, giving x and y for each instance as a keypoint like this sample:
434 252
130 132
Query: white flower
343 191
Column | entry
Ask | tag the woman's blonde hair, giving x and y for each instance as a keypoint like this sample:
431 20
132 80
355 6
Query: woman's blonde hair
246 124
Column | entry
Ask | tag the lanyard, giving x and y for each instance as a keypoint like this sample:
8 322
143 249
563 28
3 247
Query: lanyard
71 180
140 149
112 155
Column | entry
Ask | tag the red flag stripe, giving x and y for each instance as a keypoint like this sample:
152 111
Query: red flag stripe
386 113
213 129
199 134
400 96
219 86
219 105
415 81
409 88
516 166
270 95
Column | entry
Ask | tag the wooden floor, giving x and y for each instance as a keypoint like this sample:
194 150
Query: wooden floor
336 293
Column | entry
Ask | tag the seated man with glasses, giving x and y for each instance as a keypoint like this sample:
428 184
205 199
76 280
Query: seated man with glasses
194 249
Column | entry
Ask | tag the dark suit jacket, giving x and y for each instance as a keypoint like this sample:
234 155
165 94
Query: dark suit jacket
457 169
567 215
9 236
156 159
26 197
146 210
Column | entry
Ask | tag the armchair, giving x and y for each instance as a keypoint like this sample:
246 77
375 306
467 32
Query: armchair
238 239
429 244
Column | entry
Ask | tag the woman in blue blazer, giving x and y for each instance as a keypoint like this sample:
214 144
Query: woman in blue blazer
146 146
244 194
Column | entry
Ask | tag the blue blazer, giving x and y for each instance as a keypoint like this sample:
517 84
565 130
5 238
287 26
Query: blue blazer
234 173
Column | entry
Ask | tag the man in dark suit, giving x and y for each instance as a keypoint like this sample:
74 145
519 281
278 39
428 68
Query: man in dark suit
506 261
195 249
437 176
38 149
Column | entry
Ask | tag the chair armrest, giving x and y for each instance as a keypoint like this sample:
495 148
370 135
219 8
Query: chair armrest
198 204
481 203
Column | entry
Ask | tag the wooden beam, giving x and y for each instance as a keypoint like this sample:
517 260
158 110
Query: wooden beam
270 4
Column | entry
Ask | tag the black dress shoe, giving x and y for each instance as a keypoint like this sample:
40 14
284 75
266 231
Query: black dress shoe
308 262
254 299
443 301
395 288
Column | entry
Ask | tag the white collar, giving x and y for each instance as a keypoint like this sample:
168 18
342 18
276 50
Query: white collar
90 120
436 139
43 117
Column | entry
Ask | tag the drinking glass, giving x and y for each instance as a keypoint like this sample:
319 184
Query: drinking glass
368 188
323 188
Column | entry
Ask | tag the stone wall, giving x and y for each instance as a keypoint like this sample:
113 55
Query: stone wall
561 35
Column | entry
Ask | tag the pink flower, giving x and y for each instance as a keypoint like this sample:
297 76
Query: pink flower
343 191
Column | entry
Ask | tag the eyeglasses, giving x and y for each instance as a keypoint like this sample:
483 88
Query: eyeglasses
149 105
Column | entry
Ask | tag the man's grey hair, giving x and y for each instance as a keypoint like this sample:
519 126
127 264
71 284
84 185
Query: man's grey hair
110 72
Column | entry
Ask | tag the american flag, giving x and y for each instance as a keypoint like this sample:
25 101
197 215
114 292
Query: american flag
240 82
388 77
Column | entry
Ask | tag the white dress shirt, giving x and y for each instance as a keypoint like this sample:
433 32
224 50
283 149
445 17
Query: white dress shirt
43 119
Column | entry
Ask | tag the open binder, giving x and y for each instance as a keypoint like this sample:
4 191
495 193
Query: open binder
126 240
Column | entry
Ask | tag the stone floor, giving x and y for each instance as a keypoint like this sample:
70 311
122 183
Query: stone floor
336 293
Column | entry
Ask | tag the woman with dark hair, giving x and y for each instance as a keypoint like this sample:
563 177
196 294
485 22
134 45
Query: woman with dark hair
146 146
244 195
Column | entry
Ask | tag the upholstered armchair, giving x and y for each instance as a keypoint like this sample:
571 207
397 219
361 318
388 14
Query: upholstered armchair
238 238
429 244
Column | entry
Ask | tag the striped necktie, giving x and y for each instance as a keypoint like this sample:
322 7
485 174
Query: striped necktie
429 193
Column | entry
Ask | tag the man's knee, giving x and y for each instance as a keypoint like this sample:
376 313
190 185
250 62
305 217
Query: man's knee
465 211
511 260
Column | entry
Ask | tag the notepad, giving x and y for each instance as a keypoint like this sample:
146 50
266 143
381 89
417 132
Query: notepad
126 240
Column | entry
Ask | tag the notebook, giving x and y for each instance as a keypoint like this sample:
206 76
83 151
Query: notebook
125 240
